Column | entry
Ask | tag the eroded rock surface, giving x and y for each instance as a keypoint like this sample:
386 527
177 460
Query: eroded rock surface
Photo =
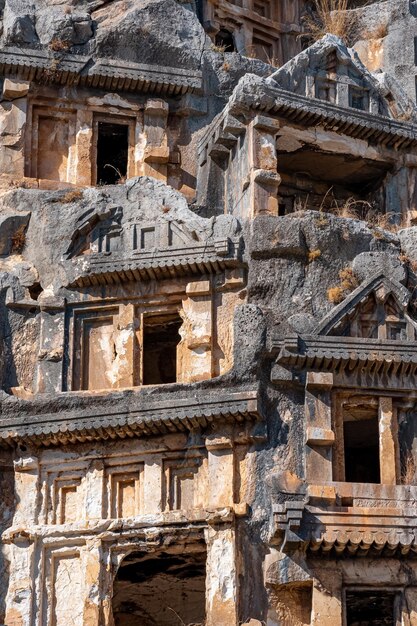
208 331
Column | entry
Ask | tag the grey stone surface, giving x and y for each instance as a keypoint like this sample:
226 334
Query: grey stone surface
387 42
368 263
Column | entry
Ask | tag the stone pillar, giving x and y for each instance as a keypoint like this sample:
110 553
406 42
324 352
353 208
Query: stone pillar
409 612
264 177
194 352
20 590
388 437
93 593
319 434
157 151
125 346
20 549
13 118
93 490
82 173
326 606
51 351
26 490
222 576
152 485
220 471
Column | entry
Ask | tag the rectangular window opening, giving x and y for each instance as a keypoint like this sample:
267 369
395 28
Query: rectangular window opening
358 99
373 608
263 8
361 445
112 153
262 48
160 340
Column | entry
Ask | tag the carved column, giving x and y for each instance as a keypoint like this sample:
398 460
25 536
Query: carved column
222 575
220 471
157 151
50 355
327 604
264 177
194 352
152 485
125 340
18 546
319 433
94 480
388 438
14 122
93 591
82 173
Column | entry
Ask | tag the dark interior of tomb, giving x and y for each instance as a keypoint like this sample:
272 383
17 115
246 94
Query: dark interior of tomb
313 179
224 39
370 608
112 153
160 590
361 440
160 340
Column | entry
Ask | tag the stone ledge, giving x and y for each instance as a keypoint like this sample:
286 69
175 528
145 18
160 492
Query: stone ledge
133 415
150 524
110 74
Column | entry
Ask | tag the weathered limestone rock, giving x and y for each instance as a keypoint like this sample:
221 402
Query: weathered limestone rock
208 331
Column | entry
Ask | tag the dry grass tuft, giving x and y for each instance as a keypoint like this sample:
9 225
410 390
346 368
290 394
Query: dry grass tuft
382 221
59 45
335 295
71 196
330 16
353 209
313 255
379 32
408 470
218 49
18 239
252 52
348 283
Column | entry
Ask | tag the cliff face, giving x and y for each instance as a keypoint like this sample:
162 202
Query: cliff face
208 357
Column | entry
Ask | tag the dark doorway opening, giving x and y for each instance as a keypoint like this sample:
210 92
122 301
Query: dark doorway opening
160 590
361 438
224 39
112 153
371 608
160 339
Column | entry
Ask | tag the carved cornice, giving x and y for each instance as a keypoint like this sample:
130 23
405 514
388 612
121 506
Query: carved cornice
200 258
337 354
72 69
258 96
90 416
382 526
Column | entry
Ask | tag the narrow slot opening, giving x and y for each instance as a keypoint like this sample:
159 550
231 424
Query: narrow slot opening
160 339
112 153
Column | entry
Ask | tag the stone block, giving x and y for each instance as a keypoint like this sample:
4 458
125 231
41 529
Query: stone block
319 437
319 380
15 88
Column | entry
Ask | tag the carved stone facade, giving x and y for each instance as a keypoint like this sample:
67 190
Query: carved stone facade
208 322
265 29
